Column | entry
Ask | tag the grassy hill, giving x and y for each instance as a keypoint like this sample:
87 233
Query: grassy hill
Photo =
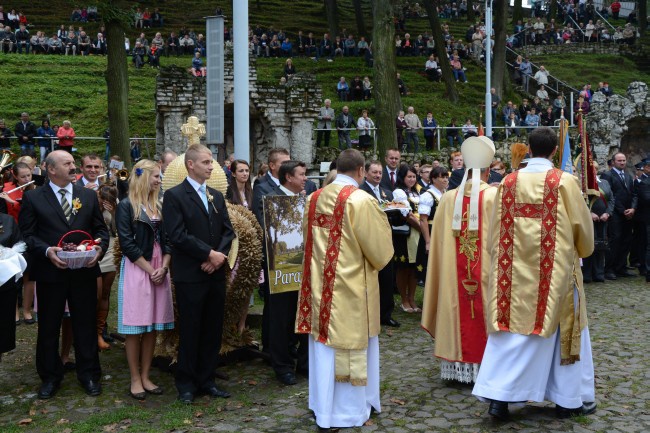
74 87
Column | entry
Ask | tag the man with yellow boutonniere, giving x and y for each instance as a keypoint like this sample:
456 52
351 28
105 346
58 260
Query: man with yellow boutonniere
48 214
200 233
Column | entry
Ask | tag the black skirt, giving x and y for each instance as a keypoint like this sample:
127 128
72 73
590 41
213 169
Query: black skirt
8 298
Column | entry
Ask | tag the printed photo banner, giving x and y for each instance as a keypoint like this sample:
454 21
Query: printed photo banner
283 240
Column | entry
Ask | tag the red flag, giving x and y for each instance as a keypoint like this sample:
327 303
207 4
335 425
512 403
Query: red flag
480 129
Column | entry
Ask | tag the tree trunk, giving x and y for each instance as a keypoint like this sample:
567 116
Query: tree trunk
117 83
385 93
447 75
643 16
518 11
358 15
500 15
331 10
470 11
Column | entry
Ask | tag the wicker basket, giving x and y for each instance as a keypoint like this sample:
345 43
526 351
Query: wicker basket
77 259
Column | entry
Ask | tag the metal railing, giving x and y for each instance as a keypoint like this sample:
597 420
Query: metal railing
54 141
439 136
577 27
604 19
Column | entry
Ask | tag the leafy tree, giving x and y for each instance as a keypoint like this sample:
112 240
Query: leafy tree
385 94
447 74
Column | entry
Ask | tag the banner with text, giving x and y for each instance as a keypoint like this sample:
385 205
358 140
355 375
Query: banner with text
283 241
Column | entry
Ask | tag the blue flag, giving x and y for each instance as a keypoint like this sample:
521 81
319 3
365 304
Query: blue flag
566 164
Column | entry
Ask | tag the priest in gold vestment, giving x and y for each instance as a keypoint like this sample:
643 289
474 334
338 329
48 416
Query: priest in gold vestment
347 241
538 344
457 277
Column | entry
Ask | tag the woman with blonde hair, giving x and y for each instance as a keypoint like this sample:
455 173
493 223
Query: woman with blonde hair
144 288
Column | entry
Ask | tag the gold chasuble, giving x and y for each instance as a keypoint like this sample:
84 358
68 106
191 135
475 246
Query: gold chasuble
347 241
531 289
457 280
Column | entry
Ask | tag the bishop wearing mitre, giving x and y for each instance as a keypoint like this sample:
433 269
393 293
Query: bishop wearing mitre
458 267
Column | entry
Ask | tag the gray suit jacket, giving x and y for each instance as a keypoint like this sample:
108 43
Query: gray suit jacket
325 112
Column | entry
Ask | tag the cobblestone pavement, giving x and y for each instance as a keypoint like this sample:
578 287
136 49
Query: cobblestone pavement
414 399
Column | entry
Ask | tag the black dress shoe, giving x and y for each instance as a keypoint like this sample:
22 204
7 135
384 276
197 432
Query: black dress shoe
499 410
92 388
287 378
47 390
586 409
626 274
391 322
215 392
186 397
610 277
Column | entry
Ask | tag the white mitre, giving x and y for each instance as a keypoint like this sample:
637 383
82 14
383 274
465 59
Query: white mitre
478 153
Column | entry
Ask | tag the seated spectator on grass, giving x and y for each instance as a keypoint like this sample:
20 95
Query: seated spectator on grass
71 43
289 69
286 48
275 46
532 119
92 13
301 41
62 33
468 129
197 66
12 19
542 94
629 34
453 133
157 18
406 46
458 70
311 46
356 89
84 43
401 87
326 47
350 46
99 45
158 41
199 45
76 15
512 123
143 40
54 45
419 46
367 88
22 39
342 89
537 104
8 40
173 45
154 56
338 47
33 43
507 109
146 18
548 119
431 69
263 47
186 45
139 53
362 46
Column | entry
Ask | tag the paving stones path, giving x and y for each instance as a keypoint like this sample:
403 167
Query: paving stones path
414 399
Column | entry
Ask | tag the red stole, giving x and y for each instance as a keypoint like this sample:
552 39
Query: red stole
473 336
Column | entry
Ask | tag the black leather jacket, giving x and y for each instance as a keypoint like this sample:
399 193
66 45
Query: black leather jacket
137 236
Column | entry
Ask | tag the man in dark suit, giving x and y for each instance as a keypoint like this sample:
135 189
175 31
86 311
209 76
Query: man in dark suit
200 233
389 173
48 213
373 187
643 195
91 166
620 224
25 131
265 185
282 306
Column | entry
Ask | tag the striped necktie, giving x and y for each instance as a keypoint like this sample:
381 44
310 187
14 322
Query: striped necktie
65 205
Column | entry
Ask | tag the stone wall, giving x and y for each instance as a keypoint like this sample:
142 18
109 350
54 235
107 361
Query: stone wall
608 120
281 115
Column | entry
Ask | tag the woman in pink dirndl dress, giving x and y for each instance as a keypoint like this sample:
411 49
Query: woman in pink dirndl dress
144 288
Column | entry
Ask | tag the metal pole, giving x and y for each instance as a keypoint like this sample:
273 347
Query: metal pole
488 68
438 139
240 63
571 108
